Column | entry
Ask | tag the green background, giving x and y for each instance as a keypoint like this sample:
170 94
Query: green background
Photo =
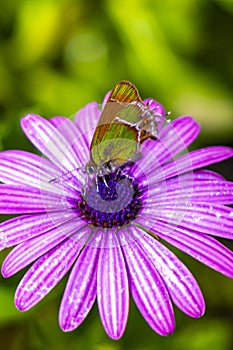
58 55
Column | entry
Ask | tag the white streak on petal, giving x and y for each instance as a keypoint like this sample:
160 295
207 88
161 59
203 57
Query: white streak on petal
80 292
112 287
46 272
181 285
148 290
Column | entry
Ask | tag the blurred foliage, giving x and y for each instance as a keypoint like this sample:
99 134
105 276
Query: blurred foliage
58 55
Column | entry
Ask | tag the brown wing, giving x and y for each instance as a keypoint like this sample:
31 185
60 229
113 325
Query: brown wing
119 104
123 92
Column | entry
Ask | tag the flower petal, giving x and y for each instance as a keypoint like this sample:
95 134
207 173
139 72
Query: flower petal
25 199
16 171
80 292
86 121
180 283
191 161
148 289
30 250
217 191
25 168
73 135
176 137
22 228
173 139
200 246
212 219
112 287
47 139
206 175
46 272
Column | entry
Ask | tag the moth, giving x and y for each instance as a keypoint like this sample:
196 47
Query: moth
125 123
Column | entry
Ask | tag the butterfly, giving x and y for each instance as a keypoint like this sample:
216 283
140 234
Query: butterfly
124 124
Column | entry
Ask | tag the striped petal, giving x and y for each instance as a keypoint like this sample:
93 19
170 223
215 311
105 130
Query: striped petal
46 272
177 189
86 121
191 161
200 246
80 292
23 199
173 139
181 284
206 175
148 289
47 139
25 168
22 228
73 135
32 249
176 137
112 287
16 171
212 219
31 158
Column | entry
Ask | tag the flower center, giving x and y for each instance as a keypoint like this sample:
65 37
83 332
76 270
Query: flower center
113 200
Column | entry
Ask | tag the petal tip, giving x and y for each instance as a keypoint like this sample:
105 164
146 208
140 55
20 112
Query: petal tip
115 336
20 304
168 331
27 118
198 312
116 332
66 326
4 271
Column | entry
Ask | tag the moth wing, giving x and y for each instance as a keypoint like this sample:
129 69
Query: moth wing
123 93
118 144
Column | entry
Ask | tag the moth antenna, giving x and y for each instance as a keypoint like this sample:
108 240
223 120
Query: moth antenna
56 179
65 180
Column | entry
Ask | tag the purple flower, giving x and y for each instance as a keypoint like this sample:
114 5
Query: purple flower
110 232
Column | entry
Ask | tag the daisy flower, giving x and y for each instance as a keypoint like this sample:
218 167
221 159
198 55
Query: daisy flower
109 233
